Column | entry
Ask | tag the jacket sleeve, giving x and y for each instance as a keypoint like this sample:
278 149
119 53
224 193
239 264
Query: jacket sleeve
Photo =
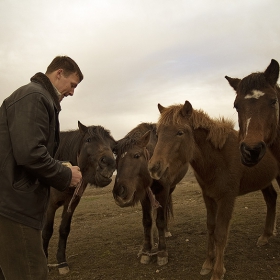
32 136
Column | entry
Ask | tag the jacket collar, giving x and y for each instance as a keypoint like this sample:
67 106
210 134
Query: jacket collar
43 80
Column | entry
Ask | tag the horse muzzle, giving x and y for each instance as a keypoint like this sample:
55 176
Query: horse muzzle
121 196
103 178
251 155
156 170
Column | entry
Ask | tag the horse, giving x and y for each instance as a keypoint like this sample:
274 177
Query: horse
91 148
210 146
257 105
133 183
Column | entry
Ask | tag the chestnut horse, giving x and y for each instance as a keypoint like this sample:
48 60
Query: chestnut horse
91 148
133 183
257 104
211 147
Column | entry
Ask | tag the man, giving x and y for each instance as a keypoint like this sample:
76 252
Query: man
29 137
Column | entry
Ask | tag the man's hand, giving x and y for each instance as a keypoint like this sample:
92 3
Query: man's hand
76 173
76 176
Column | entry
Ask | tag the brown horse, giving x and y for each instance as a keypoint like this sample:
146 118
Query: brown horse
211 147
133 183
257 104
91 148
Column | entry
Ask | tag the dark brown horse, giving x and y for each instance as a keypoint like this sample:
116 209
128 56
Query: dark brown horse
211 147
257 104
133 183
91 148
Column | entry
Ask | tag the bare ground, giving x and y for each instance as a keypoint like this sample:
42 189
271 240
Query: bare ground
105 239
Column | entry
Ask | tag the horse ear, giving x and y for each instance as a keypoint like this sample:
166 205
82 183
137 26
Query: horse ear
272 72
82 128
144 140
160 108
187 109
234 82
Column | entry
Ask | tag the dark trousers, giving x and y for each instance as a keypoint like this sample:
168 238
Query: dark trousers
21 252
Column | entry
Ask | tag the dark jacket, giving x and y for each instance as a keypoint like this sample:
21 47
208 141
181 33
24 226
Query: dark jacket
29 137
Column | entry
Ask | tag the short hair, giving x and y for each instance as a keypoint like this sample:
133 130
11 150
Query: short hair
66 63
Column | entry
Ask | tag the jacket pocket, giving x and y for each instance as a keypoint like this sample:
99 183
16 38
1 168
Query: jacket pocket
25 185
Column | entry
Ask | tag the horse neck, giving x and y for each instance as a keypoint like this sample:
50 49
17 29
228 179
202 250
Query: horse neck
201 145
278 97
205 148
69 146
152 143
275 144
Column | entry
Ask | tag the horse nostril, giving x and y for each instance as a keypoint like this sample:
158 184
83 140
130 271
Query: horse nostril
262 146
245 149
154 167
107 162
254 153
120 191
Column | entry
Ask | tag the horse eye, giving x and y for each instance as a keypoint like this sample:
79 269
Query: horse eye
274 101
180 132
136 156
88 140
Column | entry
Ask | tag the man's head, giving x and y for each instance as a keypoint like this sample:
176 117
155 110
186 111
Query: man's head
65 75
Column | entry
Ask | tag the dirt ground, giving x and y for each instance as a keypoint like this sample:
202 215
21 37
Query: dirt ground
105 239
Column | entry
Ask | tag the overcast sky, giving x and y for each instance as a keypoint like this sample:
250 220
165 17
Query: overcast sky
135 54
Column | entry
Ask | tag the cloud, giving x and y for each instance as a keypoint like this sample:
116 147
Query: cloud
136 54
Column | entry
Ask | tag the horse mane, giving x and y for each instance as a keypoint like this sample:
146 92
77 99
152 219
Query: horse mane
99 131
253 81
70 141
218 129
133 137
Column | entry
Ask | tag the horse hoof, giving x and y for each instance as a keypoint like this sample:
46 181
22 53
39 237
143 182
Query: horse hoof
162 258
205 271
222 278
162 261
63 270
262 241
214 277
168 234
145 259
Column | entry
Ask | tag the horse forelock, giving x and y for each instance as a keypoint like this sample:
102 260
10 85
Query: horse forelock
99 131
218 129
171 116
254 81
123 145
133 137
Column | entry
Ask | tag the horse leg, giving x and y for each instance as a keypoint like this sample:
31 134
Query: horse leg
47 231
211 208
147 222
270 197
161 222
162 256
169 212
64 231
224 214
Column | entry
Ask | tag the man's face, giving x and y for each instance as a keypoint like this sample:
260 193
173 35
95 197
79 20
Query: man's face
66 85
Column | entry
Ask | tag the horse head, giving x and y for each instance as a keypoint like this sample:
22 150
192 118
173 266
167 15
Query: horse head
175 144
95 156
133 178
257 106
